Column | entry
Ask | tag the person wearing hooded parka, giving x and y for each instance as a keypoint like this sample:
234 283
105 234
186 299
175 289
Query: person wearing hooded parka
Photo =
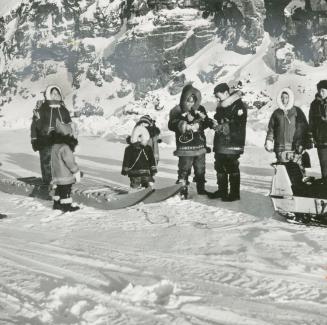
189 120
45 115
288 129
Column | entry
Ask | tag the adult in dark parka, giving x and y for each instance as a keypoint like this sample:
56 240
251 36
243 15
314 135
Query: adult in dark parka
318 125
44 121
288 128
229 141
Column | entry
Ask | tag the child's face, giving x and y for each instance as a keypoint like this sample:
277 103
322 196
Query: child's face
189 103
221 96
323 93
55 94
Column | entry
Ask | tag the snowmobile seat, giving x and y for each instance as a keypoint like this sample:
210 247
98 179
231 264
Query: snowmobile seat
314 188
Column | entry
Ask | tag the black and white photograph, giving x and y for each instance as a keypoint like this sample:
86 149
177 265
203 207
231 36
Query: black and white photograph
163 162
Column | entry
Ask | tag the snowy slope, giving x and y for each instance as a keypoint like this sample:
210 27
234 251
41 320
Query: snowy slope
6 6
188 262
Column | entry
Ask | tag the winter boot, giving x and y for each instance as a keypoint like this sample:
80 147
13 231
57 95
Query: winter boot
184 190
200 188
234 195
56 203
222 181
68 207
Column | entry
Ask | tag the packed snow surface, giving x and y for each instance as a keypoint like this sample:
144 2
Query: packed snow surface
196 261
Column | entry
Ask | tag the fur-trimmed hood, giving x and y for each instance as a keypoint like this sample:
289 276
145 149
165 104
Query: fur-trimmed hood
58 138
188 91
140 134
290 102
231 99
48 92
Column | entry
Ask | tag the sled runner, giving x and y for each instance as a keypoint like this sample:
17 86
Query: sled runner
298 198
100 197
162 194
113 201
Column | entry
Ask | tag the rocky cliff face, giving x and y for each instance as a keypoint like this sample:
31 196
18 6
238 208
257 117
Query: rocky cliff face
141 45
303 24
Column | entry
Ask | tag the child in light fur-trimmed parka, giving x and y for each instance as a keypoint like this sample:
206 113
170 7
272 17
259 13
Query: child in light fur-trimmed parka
65 171
139 163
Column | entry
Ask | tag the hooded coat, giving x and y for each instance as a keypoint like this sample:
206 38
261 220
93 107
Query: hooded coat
318 121
189 143
231 115
138 157
288 126
63 164
45 116
154 133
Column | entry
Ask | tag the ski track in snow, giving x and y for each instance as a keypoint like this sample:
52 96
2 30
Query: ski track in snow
197 261
226 268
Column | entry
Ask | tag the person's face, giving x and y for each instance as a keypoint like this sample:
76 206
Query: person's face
323 93
55 94
285 98
222 96
189 103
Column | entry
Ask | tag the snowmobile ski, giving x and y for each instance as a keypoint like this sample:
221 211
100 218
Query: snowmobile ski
298 199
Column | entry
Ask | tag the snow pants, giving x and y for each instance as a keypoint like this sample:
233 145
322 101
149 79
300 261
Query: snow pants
185 164
140 181
227 168
45 162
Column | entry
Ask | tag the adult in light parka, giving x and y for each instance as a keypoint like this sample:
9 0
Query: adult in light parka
45 115
229 141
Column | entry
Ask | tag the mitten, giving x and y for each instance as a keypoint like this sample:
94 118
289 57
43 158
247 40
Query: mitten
77 176
35 145
299 149
269 146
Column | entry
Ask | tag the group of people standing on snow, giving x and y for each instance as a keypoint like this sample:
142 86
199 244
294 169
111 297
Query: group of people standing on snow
289 135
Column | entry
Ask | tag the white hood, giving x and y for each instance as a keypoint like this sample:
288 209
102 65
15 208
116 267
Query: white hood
48 91
140 134
290 102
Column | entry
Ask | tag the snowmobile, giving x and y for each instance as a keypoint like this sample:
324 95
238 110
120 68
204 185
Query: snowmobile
299 198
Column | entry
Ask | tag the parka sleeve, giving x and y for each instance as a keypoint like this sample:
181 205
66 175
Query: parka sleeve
152 161
206 122
69 159
33 130
176 123
35 118
312 122
305 138
126 162
65 114
271 126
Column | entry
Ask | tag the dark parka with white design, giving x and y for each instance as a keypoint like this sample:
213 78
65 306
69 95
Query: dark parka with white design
189 143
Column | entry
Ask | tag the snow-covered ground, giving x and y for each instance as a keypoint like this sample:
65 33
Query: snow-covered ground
197 261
